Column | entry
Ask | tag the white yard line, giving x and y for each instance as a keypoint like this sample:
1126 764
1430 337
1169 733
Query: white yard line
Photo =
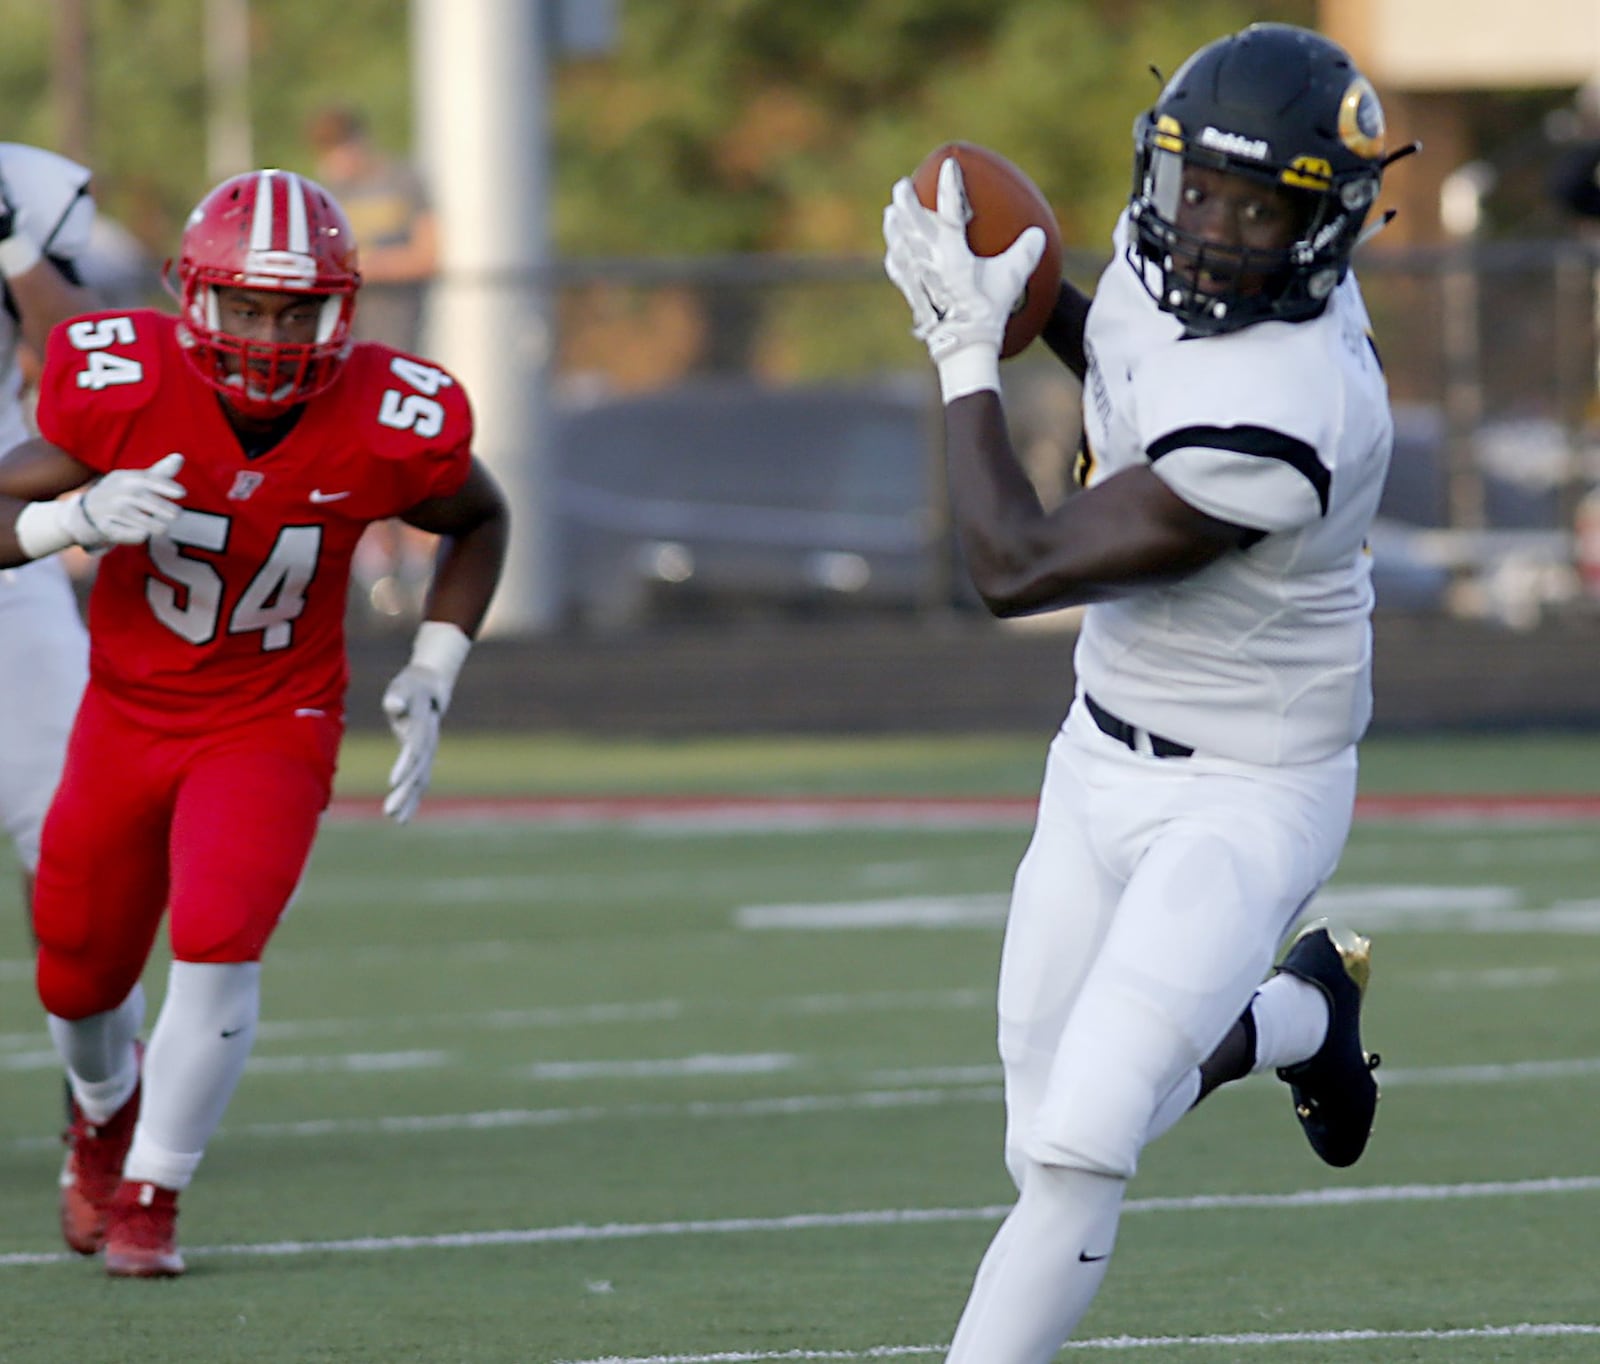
672 1067
581 1232
785 1105
929 1087
595 1015
1521 1331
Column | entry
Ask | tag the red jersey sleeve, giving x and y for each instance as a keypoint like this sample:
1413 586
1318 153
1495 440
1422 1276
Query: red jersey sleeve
100 371
414 419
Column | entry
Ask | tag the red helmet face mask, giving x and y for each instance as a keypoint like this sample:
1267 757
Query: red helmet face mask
276 231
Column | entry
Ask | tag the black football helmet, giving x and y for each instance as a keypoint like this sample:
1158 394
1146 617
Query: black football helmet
1281 105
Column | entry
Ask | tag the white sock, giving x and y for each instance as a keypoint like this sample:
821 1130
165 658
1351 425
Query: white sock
196 1055
1291 1017
102 1065
1042 1269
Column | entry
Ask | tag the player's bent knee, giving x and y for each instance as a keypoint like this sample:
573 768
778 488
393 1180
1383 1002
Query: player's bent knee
214 944
1098 1117
73 987
1098 1127
1083 1152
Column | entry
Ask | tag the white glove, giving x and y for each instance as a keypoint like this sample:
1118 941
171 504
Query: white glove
960 302
415 704
128 506
124 507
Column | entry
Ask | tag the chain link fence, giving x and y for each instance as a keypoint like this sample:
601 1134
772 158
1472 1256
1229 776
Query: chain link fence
759 434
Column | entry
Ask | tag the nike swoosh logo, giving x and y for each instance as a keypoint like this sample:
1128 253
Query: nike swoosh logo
232 1032
1085 1258
317 495
938 312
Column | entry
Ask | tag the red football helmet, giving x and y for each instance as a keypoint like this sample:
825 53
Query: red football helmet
269 230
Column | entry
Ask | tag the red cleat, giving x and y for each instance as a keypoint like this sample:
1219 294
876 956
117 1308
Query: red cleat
92 1171
142 1233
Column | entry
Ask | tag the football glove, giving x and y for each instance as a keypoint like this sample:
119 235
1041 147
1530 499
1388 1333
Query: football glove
415 703
959 301
123 507
128 506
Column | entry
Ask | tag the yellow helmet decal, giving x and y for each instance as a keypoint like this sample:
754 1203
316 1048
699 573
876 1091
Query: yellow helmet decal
1169 134
1361 125
1308 172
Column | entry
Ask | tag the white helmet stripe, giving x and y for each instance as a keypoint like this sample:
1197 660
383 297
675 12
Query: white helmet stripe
262 224
261 219
299 235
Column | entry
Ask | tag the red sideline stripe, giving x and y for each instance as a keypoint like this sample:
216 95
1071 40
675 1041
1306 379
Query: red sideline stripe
1526 806
986 809
622 808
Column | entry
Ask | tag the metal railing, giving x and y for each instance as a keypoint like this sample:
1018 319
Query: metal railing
1490 348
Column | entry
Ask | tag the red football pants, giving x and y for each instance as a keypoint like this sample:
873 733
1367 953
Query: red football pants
218 826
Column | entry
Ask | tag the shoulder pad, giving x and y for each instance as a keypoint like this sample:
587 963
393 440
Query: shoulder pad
53 193
101 363
404 405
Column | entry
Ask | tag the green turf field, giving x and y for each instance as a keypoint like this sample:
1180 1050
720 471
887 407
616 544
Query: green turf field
536 1093
901 764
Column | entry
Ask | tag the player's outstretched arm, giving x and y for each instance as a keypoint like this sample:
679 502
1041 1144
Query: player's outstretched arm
473 525
1121 534
44 296
124 507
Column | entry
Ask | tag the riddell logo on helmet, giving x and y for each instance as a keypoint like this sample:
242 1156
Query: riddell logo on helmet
1234 144
277 267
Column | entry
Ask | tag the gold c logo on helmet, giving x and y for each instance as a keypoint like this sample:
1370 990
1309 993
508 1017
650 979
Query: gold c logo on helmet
1361 125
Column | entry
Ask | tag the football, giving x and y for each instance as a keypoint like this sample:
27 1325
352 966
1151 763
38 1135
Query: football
1004 201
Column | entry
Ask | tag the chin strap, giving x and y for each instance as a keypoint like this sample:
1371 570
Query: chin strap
1371 230
1388 216
1399 154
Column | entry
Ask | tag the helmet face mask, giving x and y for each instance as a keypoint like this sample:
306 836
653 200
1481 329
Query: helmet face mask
1284 109
263 236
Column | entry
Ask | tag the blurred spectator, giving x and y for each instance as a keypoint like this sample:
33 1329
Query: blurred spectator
397 238
394 223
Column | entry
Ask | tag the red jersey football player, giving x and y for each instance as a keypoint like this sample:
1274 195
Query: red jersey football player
237 452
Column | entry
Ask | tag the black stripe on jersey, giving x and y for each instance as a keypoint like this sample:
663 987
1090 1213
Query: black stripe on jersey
1250 440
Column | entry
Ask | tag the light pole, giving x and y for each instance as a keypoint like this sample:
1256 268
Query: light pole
480 78
230 148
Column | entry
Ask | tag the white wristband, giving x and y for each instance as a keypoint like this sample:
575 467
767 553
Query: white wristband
19 253
441 648
972 369
42 528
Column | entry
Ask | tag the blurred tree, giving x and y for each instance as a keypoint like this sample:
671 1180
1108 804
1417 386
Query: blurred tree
715 126
147 101
762 125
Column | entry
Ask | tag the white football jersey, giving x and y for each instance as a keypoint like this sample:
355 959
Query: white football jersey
52 195
43 647
1264 656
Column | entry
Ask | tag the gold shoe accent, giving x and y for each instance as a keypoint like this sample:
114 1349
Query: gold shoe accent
1354 951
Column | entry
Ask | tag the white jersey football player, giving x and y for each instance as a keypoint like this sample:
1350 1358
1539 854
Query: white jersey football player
46 213
1237 435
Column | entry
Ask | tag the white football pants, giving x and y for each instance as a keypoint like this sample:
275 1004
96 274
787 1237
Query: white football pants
1149 905
44 665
